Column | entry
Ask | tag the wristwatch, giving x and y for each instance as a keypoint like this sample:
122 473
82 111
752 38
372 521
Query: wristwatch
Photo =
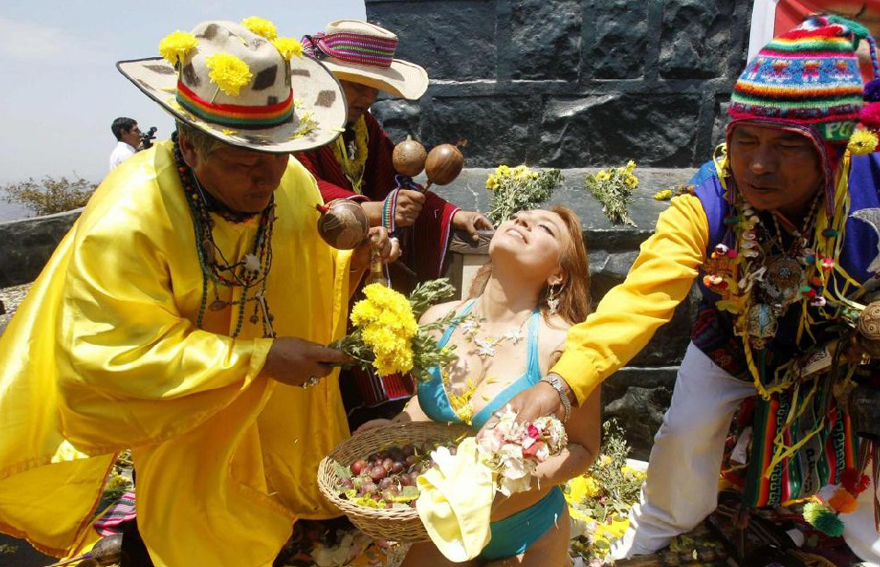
556 382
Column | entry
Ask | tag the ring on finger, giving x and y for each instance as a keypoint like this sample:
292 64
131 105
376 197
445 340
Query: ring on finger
312 381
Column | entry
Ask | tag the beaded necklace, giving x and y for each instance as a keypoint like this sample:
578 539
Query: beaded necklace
248 273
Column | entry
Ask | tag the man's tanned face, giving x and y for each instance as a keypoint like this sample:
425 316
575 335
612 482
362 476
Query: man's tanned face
132 137
241 179
359 97
775 169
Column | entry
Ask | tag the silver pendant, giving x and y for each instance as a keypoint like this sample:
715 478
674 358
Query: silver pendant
783 279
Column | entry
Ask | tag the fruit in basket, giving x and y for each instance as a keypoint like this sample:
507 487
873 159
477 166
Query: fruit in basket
385 479
358 466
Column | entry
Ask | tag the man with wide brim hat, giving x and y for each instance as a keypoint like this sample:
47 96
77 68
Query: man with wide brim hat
358 166
184 317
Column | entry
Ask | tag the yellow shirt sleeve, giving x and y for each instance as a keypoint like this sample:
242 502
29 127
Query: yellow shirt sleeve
630 314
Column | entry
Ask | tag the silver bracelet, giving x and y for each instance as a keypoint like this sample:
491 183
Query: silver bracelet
556 383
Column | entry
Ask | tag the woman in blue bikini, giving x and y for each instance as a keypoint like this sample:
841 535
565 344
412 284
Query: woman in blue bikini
507 335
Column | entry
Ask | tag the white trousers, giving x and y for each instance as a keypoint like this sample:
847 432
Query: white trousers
682 484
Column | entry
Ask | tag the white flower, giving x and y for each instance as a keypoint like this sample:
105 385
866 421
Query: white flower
515 335
487 347
469 326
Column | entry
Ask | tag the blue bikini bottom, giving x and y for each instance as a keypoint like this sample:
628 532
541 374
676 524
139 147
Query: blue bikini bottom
516 533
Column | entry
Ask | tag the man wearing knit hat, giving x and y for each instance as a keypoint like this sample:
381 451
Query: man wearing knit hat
358 166
783 242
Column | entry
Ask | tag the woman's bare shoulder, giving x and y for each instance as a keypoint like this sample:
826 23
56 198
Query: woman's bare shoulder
440 310
551 339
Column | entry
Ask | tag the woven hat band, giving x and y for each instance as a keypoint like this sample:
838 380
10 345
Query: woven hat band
235 115
352 47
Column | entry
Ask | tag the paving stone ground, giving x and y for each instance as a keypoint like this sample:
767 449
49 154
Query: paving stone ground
11 298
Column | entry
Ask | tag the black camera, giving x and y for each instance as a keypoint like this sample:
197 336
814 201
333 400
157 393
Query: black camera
148 137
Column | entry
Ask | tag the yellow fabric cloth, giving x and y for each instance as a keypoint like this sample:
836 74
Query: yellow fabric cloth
104 354
630 313
455 503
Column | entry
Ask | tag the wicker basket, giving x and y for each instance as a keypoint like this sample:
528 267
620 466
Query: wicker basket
396 524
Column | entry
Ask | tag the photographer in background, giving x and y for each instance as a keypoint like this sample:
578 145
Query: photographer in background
129 138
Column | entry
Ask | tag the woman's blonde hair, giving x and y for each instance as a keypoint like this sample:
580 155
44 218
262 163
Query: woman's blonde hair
574 293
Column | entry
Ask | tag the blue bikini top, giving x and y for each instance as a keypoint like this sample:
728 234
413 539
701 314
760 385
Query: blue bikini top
435 401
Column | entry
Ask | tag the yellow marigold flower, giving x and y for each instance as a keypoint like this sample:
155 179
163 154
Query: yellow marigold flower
288 47
614 530
663 195
387 327
116 481
228 72
603 176
582 488
604 460
631 181
502 171
630 166
862 142
261 27
491 183
629 471
176 45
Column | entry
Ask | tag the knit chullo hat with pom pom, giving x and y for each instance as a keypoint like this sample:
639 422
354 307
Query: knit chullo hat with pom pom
808 80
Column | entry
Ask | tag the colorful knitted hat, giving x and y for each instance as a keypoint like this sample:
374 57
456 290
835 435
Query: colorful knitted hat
807 77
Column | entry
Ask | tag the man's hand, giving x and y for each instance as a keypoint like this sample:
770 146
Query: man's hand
470 222
388 248
294 361
539 400
409 205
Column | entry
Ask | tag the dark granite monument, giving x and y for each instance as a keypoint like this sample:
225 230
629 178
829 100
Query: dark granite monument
578 84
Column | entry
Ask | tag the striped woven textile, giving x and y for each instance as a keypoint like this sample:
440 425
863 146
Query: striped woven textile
123 510
352 47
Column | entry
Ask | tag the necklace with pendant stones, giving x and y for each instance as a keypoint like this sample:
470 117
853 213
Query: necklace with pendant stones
249 273
782 278
786 271
485 346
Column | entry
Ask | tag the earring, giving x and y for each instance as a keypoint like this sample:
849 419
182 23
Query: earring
553 299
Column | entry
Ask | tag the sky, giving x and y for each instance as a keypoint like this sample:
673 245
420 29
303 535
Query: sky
61 87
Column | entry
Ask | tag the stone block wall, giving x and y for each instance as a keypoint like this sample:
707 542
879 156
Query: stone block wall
578 84
568 83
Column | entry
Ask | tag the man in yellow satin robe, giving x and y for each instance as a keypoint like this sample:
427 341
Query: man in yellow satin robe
184 317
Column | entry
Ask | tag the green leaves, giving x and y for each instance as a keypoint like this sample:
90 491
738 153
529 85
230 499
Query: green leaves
613 189
518 189
50 195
